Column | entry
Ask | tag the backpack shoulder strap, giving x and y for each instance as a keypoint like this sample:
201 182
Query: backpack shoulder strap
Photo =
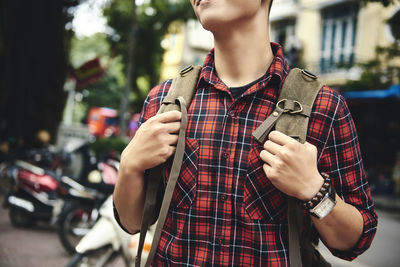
178 98
184 86
291 117
299 90
297 98
293 107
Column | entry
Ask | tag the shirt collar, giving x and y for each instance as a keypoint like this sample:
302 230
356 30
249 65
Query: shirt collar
277 72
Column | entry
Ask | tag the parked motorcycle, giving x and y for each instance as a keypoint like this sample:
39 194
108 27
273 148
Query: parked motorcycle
106 241
82 202
33 180
32 195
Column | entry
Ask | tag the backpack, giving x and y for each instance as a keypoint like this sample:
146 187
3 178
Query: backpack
290 116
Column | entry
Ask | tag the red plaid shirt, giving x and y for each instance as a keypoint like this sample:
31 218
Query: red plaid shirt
225 211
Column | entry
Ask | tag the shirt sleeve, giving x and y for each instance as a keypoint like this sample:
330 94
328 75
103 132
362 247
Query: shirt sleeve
341 158
150 107
153 101
116 216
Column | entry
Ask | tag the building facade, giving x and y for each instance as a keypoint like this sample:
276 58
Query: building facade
327 37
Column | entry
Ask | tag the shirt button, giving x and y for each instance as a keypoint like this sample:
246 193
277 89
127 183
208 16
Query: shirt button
232 113
225 154
223 198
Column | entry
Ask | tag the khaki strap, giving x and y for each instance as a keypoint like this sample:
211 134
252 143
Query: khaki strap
303 89
295 222
154 185
173 177
179 95
262 131
300 87
291 117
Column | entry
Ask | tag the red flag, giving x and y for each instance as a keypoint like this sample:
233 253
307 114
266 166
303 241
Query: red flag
88 73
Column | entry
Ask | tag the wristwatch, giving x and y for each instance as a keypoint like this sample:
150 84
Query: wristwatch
324 201
326 205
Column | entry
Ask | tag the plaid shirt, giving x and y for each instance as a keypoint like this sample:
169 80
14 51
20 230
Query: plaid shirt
224 210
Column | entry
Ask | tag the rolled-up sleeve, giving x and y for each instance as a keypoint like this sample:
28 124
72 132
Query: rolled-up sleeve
341 158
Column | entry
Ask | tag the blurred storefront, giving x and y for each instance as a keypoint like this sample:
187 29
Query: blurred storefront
377 121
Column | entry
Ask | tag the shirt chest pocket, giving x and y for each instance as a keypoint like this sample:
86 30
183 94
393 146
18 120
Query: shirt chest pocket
262 200
185 188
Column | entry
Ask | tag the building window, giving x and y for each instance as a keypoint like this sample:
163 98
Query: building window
338 37
283 33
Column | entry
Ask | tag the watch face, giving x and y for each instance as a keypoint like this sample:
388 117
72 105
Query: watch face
324 207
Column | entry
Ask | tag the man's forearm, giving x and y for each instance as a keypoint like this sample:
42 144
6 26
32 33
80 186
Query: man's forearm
129 199
153 144
342 227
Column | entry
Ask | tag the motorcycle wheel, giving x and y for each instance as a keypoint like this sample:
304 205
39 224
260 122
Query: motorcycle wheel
104 256
20 218
74 222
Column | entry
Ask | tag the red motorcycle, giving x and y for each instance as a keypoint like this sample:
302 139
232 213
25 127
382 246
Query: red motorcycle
32 195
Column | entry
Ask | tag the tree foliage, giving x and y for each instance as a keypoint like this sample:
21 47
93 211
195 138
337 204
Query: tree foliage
152 21
380 72
384 69
108 90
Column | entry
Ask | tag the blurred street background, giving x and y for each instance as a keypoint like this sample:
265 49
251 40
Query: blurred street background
74 75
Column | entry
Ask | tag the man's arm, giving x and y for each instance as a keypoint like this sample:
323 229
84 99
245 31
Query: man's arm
342 227
292 168
153 143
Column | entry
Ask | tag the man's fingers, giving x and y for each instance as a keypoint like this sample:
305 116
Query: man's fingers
173 127
280 138
169 116
171 150
267 157
172 139
267 169
272 147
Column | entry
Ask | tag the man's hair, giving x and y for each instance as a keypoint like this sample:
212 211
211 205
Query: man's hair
270 5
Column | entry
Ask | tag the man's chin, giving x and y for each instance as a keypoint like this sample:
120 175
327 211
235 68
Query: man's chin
213 23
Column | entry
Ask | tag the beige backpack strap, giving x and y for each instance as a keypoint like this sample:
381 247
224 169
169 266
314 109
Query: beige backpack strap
291 117
178 98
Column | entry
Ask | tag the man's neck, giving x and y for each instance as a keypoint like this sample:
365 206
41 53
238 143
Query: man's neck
243 54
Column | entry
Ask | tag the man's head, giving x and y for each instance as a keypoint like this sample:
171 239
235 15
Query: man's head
220 14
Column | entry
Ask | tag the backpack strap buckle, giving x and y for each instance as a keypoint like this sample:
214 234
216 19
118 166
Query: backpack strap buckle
186 70
291 106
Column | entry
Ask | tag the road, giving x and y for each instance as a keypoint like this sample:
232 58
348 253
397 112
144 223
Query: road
37 247
40 247
385 249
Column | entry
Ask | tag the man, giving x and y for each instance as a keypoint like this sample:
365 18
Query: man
229 205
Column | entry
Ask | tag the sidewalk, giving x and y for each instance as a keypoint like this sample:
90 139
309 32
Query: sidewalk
387 202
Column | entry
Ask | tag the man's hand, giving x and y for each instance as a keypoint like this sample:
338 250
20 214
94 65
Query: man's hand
153 143
291 166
